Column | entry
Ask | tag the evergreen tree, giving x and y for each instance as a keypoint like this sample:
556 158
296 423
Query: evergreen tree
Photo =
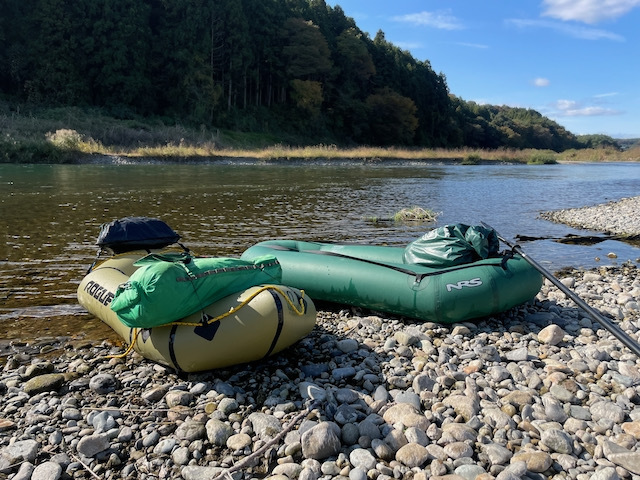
267 74
13 53
306 51
392 118
117 54
56 59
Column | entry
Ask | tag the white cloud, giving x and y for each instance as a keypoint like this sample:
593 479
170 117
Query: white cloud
472 45
585 33
602 95
566 104
588 11
571 108
541 82
442 19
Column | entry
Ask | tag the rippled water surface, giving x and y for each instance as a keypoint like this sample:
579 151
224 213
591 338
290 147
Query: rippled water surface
50 216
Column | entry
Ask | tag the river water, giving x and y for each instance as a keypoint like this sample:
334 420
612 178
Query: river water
50 216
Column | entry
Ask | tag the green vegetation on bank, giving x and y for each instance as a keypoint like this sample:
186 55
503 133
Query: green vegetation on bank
71 135
294 72
415 214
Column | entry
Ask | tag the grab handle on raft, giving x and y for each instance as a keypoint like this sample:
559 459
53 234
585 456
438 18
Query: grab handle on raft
595 315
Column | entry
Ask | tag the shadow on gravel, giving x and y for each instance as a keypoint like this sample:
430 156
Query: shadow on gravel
330 356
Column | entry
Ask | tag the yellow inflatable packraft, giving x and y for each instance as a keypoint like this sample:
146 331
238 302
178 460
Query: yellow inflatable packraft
255 323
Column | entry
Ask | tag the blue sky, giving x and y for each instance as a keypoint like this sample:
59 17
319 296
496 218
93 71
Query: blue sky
574 61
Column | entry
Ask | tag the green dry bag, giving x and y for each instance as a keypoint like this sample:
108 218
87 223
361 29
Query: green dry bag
452 245
169 287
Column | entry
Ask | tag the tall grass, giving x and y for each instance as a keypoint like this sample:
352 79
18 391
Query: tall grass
415 214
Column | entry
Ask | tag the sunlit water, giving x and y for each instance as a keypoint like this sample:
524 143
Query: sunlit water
50 216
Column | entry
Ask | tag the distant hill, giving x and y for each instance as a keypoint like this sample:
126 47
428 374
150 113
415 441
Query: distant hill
627 143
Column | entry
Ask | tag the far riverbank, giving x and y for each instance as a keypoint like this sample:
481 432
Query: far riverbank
75 136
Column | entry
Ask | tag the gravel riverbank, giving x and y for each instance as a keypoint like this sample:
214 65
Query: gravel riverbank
538 392
615 218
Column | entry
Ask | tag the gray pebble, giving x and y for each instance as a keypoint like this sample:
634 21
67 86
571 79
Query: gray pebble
217 432
321 441
151 439
103 383
91 445
557 440
25 471
363 459
47 471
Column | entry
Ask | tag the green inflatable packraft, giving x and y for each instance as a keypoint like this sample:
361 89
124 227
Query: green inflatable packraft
450 275
171 286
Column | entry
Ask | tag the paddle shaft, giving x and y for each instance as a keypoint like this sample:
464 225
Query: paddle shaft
605 322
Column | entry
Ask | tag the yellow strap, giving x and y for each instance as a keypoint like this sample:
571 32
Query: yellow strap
233 310
248 299
130 347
